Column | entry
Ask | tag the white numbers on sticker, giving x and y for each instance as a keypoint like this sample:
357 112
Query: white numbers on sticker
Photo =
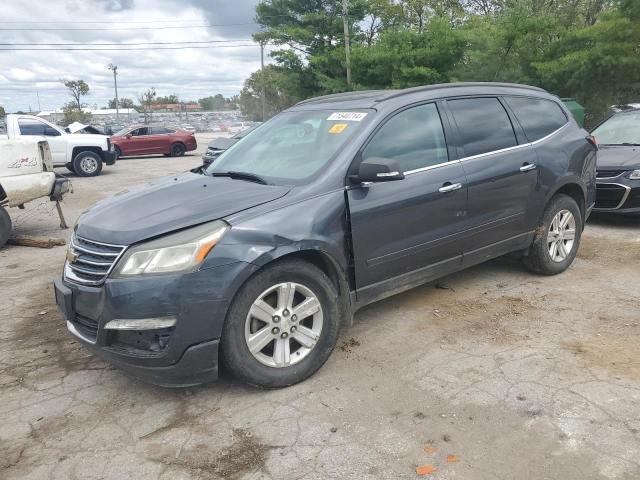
349 116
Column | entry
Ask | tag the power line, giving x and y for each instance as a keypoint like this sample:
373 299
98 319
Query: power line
123 49
172 27
118 22
122 44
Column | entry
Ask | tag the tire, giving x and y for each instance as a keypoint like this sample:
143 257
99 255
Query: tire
540 258
87 164
69 166
118 152
177 150
5 226
256 369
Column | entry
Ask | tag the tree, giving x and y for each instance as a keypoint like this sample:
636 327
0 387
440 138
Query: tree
73 114
122 103
145 100
173 98
77 90
217 102
2 111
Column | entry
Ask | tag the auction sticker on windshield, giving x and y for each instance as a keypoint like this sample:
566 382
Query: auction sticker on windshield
338 128
349 116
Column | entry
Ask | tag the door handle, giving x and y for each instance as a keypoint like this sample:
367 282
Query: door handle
450 187
527 166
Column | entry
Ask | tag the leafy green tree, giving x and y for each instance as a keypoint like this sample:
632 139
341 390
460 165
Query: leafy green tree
73 114
145 100
122 103
77 90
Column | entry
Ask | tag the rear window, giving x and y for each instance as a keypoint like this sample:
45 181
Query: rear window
538 117
29 126
483 124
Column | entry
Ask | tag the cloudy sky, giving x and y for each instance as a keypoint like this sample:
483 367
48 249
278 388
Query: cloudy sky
189 73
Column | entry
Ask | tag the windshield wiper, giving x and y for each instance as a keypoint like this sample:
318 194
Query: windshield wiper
623 144
251 177
629 144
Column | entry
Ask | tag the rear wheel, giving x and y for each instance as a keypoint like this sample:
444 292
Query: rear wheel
177 150
5 226
282 326
87 164
557 238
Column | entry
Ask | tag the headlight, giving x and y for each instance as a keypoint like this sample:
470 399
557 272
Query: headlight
634 175
183 251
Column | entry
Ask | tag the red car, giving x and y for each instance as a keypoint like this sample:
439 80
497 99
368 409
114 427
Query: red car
145 140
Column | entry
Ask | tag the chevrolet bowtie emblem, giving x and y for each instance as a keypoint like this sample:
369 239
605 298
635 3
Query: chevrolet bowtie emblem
71 256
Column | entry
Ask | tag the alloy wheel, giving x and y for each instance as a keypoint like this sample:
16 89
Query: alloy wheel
561 236
283 324
88 165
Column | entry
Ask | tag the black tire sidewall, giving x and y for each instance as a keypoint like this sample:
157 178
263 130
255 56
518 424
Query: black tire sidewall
235 352
177 150
78 170
540 250
117 151
5 226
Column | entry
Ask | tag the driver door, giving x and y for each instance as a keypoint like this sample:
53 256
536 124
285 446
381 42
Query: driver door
405 231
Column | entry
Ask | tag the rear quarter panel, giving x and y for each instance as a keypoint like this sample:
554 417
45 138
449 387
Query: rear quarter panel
564 158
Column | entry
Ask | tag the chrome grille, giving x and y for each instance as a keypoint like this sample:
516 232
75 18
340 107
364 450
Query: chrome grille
89 262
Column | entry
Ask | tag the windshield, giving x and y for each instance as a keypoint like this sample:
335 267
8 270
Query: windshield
291 147
121 133
619 129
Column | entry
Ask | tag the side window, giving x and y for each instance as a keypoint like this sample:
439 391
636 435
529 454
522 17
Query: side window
157 130
31 127
483 124
413 137
140 131
538 117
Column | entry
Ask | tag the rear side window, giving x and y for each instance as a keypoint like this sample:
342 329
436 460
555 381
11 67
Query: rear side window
413 137
158 131
31 127
538 117
483 124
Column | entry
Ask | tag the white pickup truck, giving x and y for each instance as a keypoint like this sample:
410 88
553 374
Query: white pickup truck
83 154
26 173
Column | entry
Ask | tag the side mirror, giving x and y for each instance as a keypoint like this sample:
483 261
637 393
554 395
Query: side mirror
377 169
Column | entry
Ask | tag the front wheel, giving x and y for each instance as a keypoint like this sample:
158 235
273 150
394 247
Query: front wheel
282 326
5 226
177 150
87 164
557 238
117 151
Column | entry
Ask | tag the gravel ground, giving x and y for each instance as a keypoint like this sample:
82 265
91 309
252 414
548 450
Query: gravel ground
491 373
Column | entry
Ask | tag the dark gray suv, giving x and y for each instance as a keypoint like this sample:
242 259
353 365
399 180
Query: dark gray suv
333 204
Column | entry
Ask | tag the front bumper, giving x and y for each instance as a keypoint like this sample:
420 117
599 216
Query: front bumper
617 195
182 355
109 157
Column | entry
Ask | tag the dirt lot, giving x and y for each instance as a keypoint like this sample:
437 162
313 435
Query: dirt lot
492 373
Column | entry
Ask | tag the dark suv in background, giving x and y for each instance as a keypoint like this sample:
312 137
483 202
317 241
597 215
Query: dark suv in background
333 204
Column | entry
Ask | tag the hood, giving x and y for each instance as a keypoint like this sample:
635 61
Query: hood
169 204
76 127
619 157
222 143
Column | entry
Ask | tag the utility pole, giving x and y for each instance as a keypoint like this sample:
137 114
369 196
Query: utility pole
347 52
263 93
38 97
115 85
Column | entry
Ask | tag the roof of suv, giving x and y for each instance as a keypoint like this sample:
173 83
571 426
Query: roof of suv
369 98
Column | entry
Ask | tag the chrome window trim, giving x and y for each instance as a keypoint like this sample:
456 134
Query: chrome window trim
486 154
624 196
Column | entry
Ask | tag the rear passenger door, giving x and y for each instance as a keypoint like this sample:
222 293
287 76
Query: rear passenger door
502 176
407 230
159 141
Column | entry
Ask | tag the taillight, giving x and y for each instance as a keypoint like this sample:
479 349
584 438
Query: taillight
592 140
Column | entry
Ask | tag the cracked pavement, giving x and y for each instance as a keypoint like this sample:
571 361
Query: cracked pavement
517 375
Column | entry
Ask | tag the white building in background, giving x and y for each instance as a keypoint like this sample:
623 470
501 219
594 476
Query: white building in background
127 115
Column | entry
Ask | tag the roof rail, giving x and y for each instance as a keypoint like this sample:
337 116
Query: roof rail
337 96
438 86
